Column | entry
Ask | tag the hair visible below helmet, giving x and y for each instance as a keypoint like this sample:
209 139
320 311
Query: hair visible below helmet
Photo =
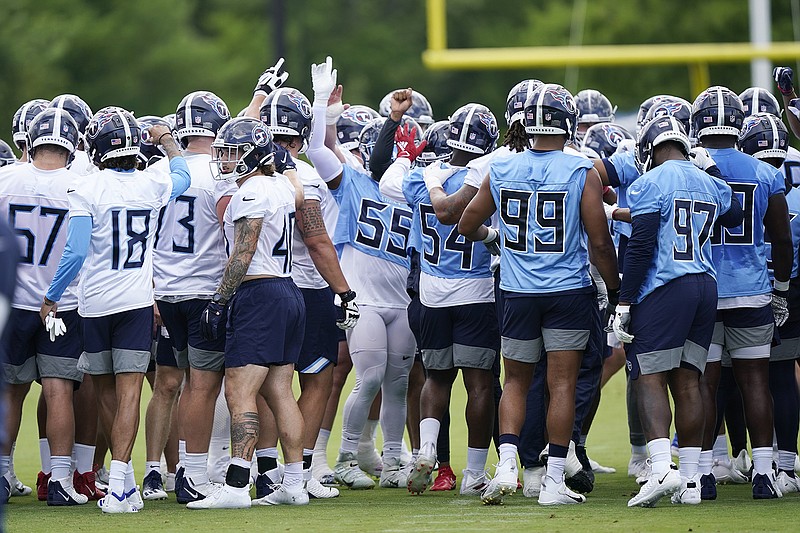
368 137
76 107
717 111
200 114
7 156
604 138
551 110
112 133
764 136
436 148
22 119
350 124
473 129
644 107
515 101
53 127
420 109
656 132
758 100
593 107
671 106
149 153
243 146
287 111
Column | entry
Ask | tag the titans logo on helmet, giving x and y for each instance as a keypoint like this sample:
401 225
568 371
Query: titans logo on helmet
360 117
558 94
488 121
667 108
99 122
260 135
613 135
300 103
217 105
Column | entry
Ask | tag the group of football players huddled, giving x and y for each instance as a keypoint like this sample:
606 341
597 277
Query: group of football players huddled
216 256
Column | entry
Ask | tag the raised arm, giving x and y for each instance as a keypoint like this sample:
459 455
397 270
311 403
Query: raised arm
271 79
325 161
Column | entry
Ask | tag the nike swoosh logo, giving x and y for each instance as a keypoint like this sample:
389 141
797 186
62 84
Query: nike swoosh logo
191 493
64 495
316 186
574 498
660 481
248 199
70 190
406 357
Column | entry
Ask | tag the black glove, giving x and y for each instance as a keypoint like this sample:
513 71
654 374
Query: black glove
271 79
214 315
611 308
783 77
283 159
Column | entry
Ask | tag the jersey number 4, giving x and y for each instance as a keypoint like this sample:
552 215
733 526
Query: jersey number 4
455 242
58 216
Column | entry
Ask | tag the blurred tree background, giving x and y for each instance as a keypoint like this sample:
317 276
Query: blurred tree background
145 55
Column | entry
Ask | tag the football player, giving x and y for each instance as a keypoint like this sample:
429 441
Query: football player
8 268
112 224
264 311
21 121
668 273
7 156
82 113
593 108
540 223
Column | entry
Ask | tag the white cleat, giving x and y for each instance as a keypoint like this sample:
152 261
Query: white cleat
346 472
572 465
657 487
169 483
688 493
743 464
473 483
597 468
320 469
369 461
553 493
135 498
639 466
419 477
797 464
18 488
113 504
784 484
532 481
282 496
317 490
725 472
394 474
504 483
224 497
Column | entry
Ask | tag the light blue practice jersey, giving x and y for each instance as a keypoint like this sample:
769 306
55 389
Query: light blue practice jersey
688 202
793 201
627 172
538 197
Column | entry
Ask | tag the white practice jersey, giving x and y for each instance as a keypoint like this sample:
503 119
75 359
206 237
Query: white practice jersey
117 275
304 273
377 282
81 164
270 198
190 255
35 202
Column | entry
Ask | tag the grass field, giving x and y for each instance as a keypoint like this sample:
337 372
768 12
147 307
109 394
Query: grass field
396 510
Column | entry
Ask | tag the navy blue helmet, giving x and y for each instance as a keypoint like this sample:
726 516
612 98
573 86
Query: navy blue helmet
758 100
350 124
7 156
717 111
764 136
149 153
53 126
200 114
76 107
604 138
368 137
112 133
242 146
671 106
515 101
594 107
436 148
22 119
287 111
655 132
473 129
420 109
644 107
551 110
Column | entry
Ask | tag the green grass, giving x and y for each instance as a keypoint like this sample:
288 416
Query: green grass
396 510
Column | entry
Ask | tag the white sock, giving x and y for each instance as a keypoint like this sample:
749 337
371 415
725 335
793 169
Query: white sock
321 446
555 469
762 460
705 463
508 452
116 477
721 447
61 468
5 460
44 455
786 460
293 475
182 452
660 457
689 458
196 465
150 466
267 452
476 459
11 473
428 434
638 451
84 457
367 440
130 477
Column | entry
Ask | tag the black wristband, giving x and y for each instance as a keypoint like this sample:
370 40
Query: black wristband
162 136
347 296
613 296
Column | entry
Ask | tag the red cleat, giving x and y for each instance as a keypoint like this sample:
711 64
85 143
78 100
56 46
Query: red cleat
42 480
85 484
445 480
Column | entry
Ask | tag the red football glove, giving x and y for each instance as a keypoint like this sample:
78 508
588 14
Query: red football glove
405 138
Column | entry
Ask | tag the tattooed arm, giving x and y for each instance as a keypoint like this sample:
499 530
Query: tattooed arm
315 236
245 236
448 209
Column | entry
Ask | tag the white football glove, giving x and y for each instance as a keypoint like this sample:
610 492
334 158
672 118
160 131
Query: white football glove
333 112
271 79
622 320
492 241
701 158
435 175
780 303
626 145
54 326
350 309
323 79
609 209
